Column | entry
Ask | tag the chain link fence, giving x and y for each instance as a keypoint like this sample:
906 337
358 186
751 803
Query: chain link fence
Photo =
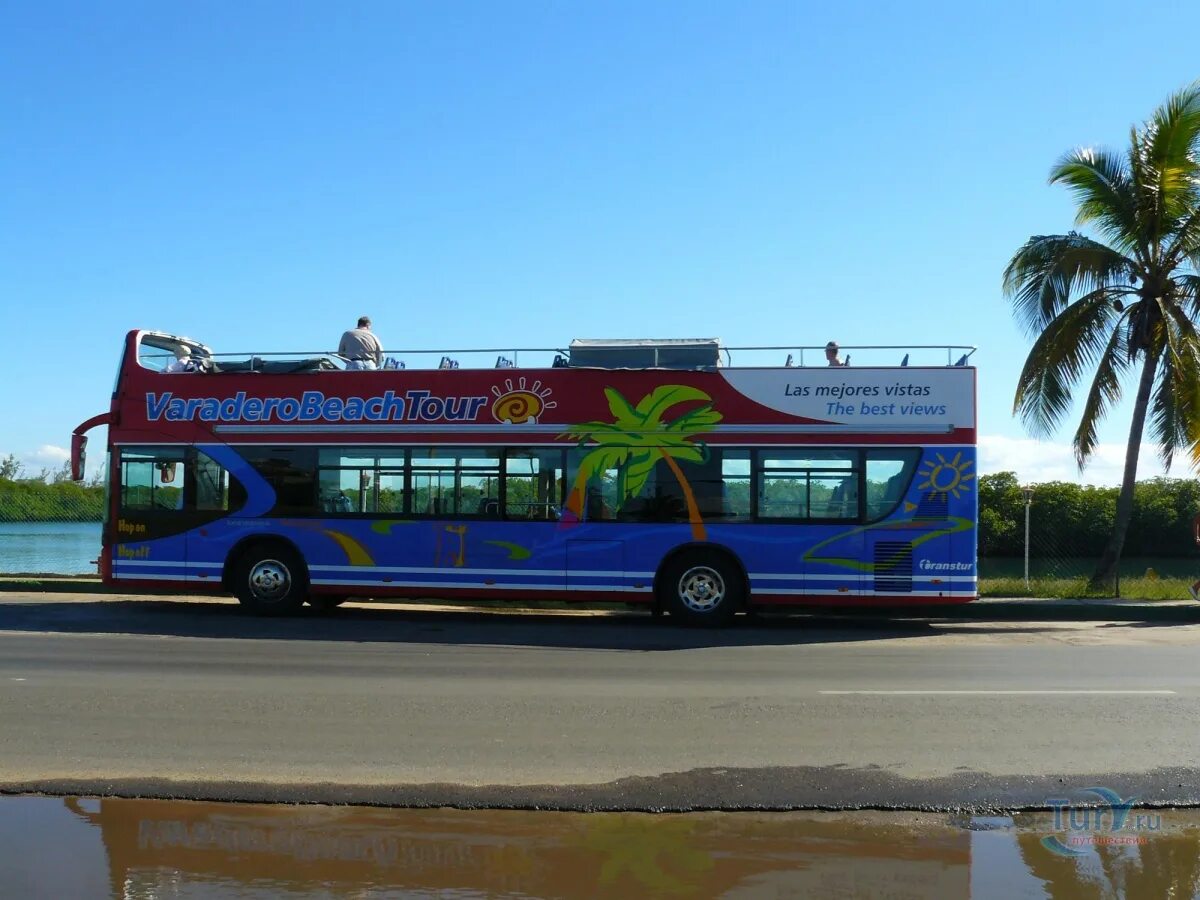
49 525
1069 526
1056 570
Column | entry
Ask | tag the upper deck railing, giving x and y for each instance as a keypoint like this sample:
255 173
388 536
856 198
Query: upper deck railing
153 355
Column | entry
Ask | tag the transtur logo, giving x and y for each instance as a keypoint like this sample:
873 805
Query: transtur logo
929 565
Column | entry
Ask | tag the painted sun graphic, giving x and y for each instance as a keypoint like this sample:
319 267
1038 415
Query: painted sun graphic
946 476
520 403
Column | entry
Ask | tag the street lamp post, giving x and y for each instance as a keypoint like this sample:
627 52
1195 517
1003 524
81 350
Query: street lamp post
1027 490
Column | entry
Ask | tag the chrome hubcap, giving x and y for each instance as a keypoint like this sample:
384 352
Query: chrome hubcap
270 580
701 589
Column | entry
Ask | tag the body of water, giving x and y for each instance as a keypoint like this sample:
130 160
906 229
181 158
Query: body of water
84 847
49 548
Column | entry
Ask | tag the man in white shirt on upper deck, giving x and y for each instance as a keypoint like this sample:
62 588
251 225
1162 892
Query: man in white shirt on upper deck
361 347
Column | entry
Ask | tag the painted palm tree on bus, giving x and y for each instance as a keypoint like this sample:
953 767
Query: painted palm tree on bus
637 438
1126 299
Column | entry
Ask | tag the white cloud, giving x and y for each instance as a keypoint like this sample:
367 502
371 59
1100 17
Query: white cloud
49 455
1038 461
52 456
33 462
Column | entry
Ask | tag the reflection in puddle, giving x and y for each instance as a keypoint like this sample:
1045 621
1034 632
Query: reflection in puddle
72 847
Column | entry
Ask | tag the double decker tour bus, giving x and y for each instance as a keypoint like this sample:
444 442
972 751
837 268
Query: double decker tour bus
654 472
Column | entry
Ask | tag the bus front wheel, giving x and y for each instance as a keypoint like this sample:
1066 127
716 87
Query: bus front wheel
701 589
271 580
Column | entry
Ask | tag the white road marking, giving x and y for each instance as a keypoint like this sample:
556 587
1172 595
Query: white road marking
1006 693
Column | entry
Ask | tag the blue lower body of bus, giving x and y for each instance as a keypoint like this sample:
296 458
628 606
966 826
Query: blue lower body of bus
905 558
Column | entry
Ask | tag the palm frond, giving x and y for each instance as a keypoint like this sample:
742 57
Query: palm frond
1187 290
592 431
1071 342
652 407
632 478
1175 403
1185 242
1043 274
696 452
600 460
1103 393
1171 140
624 415
1104 191
1165 419
701 419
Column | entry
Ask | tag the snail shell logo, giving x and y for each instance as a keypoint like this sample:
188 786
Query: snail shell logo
519 403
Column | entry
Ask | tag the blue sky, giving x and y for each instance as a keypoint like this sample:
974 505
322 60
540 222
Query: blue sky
257 174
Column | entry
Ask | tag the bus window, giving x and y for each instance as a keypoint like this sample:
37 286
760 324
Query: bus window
735 485
456 482
833 496
291 473
389 496
347 483
808 484
155 355
148 478
533 484
720 484
889 472
212 484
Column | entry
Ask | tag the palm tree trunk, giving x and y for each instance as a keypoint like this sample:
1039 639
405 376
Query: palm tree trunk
697 521
1107 566
575 498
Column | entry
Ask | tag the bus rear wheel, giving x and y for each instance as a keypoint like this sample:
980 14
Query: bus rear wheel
701 589
271 580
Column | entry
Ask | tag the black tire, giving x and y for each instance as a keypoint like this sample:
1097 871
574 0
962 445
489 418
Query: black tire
701 589
271 580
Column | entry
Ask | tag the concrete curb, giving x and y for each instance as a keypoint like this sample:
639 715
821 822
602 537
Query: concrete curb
990 609
1025 610
38 584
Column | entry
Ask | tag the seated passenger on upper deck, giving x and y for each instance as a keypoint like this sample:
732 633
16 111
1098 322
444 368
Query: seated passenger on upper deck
182 362
831 355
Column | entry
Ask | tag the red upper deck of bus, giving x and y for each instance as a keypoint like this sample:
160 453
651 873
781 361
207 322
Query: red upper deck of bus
763 394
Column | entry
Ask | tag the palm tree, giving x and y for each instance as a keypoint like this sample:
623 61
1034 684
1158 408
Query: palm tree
637 438
1130 298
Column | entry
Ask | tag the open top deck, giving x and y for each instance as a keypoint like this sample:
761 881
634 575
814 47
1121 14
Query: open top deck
156 350
745 395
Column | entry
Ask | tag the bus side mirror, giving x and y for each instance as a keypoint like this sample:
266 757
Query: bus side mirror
78 456
166 472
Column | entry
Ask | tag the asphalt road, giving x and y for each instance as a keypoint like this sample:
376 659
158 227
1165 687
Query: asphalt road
433 707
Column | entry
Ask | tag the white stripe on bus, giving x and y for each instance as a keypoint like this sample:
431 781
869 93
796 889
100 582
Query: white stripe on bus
509 430
615 588
868 576
466 571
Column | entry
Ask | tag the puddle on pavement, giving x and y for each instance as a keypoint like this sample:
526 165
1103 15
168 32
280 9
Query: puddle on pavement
82 847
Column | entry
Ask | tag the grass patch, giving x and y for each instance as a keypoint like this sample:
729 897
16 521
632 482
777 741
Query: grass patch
1139 588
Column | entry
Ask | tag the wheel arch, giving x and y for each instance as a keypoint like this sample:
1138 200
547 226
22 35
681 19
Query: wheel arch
238 550
701 547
